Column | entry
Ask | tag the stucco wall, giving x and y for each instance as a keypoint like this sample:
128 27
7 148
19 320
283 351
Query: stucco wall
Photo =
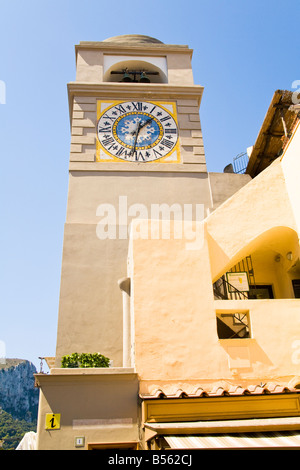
90 308
175 330
172 302
235 227
224 185
100 406
173 309
291 170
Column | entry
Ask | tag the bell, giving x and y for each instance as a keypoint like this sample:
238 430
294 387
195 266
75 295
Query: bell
126 77
144 78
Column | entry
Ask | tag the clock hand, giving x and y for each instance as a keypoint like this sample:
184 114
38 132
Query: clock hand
136 136
139 127
146 122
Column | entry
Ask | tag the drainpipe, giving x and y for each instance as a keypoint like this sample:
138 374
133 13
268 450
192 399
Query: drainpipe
124 285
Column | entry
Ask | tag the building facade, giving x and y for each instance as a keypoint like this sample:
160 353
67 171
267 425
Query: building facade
186 280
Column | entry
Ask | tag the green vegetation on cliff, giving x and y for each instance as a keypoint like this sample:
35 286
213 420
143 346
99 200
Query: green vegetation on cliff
12 430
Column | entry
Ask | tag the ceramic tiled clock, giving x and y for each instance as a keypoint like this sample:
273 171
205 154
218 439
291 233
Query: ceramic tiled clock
137 131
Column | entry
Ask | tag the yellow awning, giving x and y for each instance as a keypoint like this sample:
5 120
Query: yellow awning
259 440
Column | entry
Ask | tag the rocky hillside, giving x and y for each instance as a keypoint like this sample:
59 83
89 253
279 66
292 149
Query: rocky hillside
18 396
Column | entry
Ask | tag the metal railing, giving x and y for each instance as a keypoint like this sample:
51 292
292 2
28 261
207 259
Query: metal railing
223 289
240 162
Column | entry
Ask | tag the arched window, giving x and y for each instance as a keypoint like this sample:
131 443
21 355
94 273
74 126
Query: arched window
135 70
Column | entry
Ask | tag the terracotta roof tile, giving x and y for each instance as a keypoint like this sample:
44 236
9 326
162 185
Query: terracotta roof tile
238 390
218 391
257 389
199 392
158 394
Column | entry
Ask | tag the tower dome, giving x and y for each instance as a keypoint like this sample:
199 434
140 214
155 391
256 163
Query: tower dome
133 39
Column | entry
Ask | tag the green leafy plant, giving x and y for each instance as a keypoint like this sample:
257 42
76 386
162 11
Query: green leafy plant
84 360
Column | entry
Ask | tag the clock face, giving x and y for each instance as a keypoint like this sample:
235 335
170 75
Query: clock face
137 131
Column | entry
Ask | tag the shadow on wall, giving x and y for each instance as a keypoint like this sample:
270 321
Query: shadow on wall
245 355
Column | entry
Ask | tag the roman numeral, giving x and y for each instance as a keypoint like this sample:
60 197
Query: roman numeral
122 151
138 106
139 155
107 141
167 143
156 153
106 116
104 129
120 108
166 118
172 131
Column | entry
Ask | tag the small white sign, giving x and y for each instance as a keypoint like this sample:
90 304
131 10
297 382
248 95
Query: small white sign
238 281
79 441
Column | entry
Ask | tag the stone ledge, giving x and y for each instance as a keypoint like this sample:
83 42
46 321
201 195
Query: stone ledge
138 167
92 371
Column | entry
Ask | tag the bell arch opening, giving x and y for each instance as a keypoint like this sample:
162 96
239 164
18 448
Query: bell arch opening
136 71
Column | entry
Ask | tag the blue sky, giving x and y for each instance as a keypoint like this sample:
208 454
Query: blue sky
243 52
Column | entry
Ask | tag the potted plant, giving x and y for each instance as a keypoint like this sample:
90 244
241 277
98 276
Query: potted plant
83 360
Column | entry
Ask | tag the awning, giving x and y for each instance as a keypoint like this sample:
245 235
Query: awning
259 440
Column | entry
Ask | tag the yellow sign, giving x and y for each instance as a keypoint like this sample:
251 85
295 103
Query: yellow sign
52 421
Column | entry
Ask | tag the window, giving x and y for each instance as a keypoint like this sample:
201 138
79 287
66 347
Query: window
296 287
261 292
233 325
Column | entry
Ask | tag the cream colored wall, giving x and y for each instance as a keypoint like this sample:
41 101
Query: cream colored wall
90 307
89 66
90 189
175 332
108 396
173 310
272 352
270 200
179 69
267 271
291 171
247 217
90 304
224 185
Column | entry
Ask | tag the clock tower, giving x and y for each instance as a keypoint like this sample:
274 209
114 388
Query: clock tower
136 142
